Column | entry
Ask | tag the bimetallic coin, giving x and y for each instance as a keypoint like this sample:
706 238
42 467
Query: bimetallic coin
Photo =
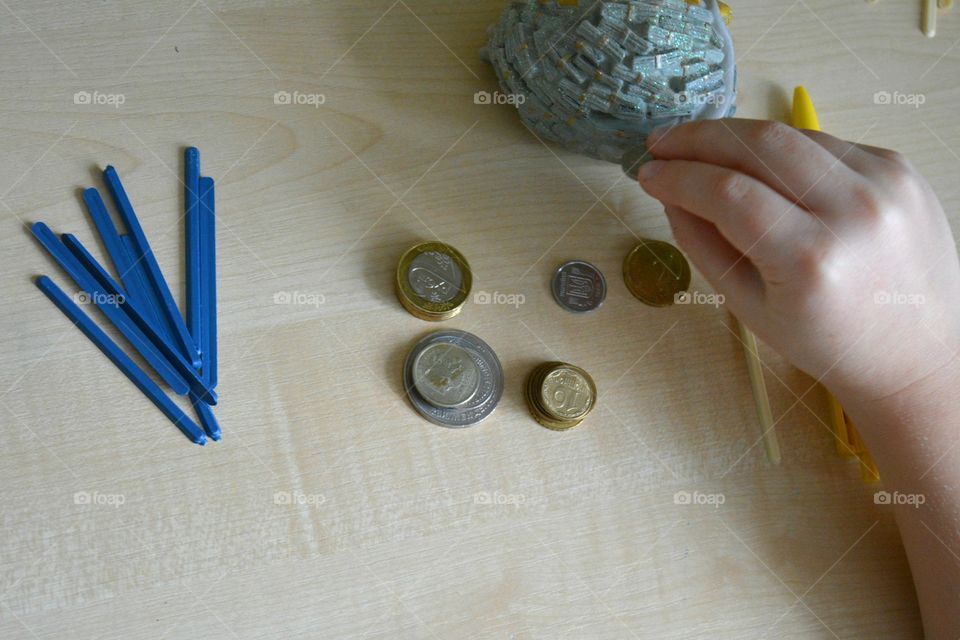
433 281
483 401
579 286
656 272
445 375
566 393
434 276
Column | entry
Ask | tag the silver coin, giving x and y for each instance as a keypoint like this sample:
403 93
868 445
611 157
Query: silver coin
445 375
488 393
578 286
434 276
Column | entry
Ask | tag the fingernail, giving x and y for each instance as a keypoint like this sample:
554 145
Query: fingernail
632 159
651 169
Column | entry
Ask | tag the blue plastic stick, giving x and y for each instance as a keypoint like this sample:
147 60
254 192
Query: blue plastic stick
207 419
145 294
108 303
208 219
120 359
154 276
191 192
110 237
136 312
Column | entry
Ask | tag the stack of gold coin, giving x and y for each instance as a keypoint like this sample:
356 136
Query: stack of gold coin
433 281
656 273
559 395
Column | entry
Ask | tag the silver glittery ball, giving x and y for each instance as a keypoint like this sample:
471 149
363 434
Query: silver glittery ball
597 77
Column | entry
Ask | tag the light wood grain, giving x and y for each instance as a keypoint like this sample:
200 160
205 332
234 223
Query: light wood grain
323 201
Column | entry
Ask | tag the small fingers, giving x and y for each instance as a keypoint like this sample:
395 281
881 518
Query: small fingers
780 156
756 220
725 268
862 158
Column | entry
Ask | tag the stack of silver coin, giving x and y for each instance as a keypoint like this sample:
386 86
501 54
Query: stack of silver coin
453 378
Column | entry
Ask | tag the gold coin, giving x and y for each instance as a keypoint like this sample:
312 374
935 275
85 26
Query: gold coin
656 272
433 281
567 393
559 395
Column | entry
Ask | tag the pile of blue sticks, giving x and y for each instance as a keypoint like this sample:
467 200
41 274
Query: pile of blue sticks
183 353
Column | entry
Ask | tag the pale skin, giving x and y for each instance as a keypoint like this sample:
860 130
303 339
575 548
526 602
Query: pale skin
839 256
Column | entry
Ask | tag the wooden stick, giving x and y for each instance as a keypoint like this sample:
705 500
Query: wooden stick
760 398
929 18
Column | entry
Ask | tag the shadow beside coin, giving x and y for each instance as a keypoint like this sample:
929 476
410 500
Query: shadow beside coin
380 267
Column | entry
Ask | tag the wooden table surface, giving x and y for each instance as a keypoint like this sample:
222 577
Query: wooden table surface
331 509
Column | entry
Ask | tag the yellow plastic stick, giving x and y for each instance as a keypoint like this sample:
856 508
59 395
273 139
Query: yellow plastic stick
839 426
868 468
856 442
848 441
804 116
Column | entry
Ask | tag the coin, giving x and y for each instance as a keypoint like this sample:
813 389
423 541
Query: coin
559 395
566 393
433 281
578 286
445 375
656 272
490 373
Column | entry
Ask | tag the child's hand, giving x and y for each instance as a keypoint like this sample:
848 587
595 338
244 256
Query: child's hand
838 255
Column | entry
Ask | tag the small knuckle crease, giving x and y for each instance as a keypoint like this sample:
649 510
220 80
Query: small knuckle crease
865 201
773 135
903 182
897 158
814 262
731 187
